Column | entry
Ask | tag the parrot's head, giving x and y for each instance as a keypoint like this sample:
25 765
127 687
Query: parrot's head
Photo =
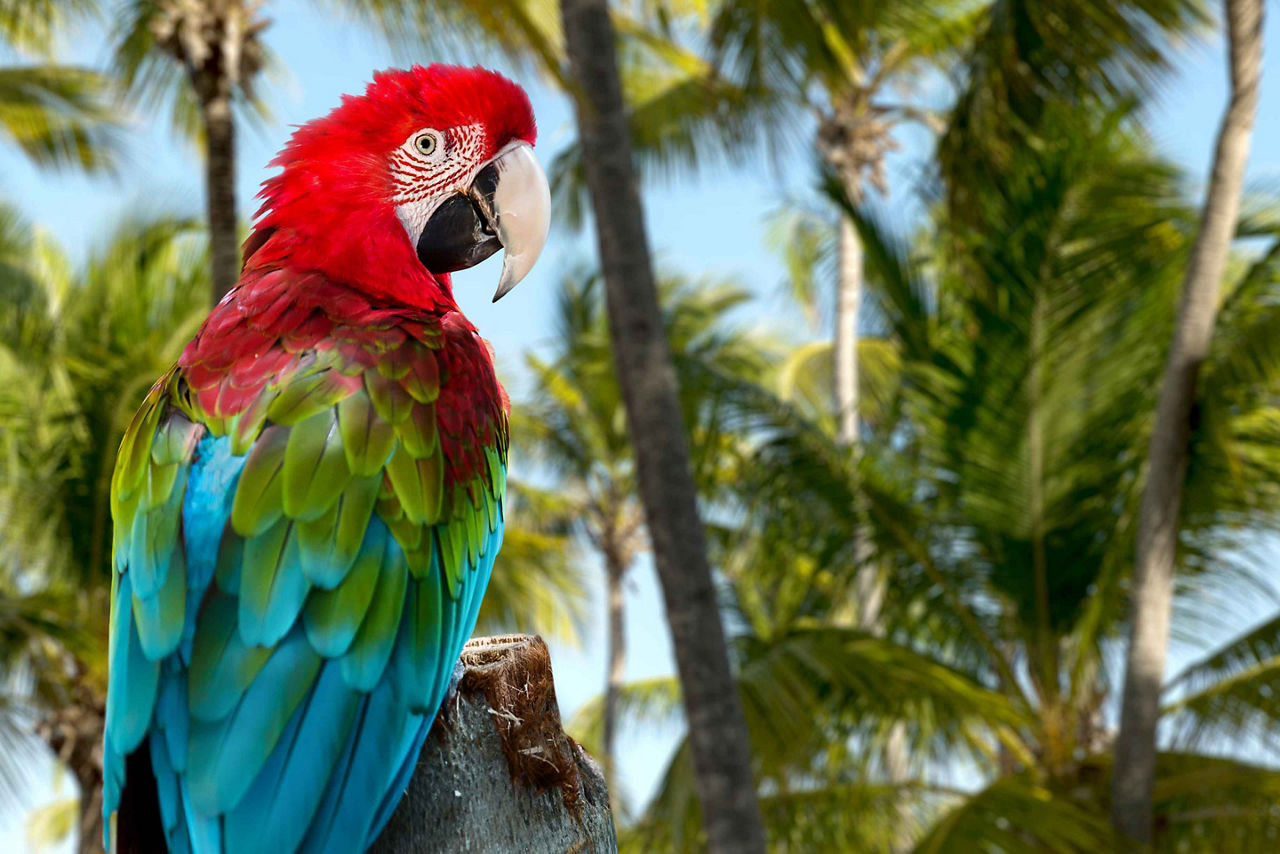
431 170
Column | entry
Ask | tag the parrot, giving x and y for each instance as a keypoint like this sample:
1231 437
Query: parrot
307 507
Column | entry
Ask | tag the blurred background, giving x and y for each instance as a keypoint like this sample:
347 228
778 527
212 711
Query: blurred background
919 265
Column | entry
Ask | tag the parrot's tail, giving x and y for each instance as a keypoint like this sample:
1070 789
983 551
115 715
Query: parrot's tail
139 829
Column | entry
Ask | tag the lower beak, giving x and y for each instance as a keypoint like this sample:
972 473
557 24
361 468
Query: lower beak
507 206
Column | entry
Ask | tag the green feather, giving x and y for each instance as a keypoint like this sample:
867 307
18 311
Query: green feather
389 398
315 467
161 617
366 438
174 440
154 534
355 509
226 755
423 380
497 472
308 394
259 500
135 449
333 616
418 483
450 560
394 363
248 424
230 556
417 433
419 559
272 585
363 664
160 480
328 545
222 665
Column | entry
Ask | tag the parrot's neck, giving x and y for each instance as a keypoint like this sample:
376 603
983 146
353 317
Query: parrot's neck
360 245
366 261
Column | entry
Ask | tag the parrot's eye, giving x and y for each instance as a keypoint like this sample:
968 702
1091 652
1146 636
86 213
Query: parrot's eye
426 143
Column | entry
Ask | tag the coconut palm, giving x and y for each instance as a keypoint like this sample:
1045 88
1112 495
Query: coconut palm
1002 485
1167 459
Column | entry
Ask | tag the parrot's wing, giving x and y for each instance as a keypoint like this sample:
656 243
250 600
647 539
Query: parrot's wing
306 514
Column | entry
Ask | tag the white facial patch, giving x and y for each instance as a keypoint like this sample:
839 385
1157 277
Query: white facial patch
423 181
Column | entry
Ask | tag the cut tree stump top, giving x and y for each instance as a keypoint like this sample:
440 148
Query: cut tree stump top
497 772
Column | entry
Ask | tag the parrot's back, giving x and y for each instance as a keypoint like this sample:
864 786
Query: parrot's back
307 509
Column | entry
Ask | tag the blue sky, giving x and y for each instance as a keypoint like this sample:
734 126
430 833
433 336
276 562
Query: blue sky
713 224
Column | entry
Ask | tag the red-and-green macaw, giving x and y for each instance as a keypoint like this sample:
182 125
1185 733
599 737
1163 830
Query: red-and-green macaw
307 507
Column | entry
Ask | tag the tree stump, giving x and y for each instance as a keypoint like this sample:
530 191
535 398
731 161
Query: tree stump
497 773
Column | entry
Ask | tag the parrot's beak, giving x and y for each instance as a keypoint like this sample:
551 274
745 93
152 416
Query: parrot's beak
507 206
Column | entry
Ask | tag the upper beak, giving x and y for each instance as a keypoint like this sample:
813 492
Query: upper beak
508 205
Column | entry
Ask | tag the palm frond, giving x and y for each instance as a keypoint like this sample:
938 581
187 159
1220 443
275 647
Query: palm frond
1017 816
649 703
58 115
1232 692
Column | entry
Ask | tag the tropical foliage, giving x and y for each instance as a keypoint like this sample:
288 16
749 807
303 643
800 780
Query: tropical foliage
56 114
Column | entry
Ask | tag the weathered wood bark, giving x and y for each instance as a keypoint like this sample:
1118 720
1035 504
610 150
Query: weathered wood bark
497 773
717 728
1152 596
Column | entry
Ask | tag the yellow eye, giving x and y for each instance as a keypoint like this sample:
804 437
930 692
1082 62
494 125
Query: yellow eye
426 144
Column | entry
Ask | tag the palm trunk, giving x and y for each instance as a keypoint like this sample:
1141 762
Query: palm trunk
220 194
848 307
615 569
869 584
717 729
1152 597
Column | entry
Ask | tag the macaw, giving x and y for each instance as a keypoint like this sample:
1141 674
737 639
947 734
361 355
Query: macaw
308 505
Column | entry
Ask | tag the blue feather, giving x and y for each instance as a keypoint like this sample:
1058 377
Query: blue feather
344 821
168 792
160 617
365 662
172 717
223 666
400 781
204 830
272 584
226 755
276 811
134 678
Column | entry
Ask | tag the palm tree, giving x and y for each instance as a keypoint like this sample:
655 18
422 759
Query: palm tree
986 485
642 360
205 56
56 114
572 425
1168 455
